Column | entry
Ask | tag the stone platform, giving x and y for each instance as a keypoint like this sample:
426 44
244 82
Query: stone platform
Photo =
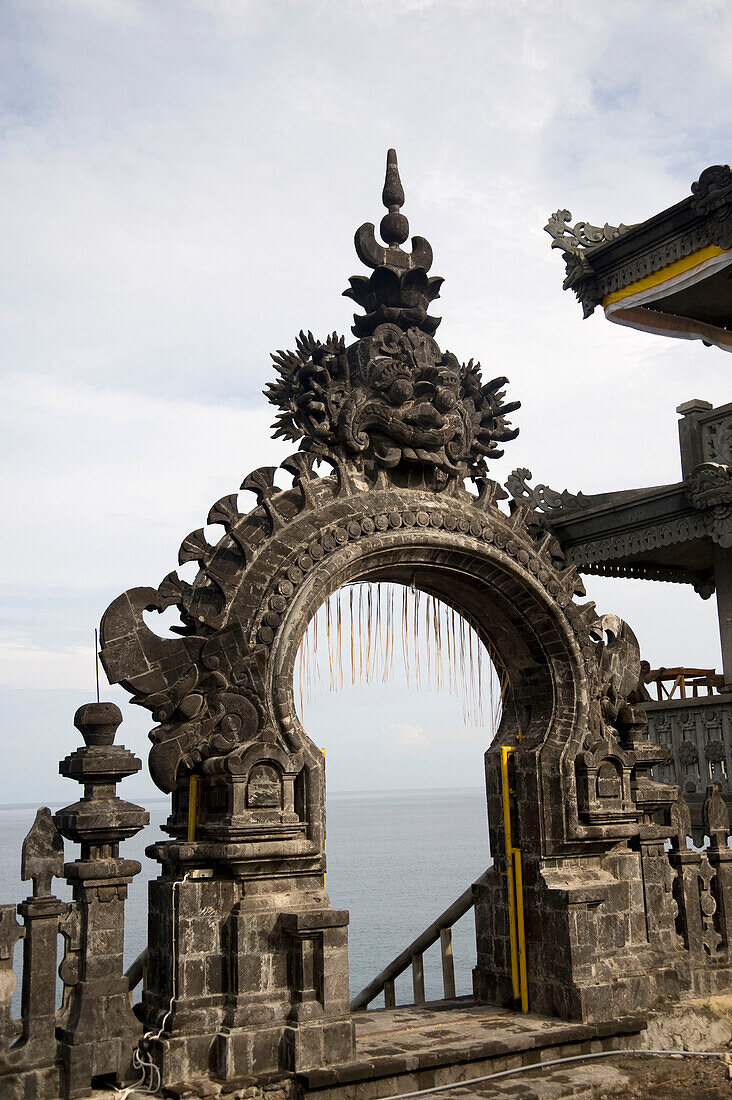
418 1047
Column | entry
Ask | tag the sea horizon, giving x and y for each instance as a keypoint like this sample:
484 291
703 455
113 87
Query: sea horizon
396 858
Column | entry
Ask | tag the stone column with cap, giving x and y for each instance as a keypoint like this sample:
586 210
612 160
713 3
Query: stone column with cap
100 1031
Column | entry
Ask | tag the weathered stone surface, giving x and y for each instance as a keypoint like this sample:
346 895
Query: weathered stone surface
247 973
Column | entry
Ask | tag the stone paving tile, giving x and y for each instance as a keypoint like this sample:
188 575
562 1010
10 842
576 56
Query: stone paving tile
463 1029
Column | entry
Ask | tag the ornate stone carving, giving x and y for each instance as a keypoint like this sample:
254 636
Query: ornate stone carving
393 399
715 751
540 497
688 752
574 242
582 234
718 441
712 200
43 854
709 488
399 425
207 690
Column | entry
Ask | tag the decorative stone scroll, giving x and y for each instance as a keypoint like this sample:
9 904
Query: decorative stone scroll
541 498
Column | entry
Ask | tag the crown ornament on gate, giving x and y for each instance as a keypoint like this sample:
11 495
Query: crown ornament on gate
393 400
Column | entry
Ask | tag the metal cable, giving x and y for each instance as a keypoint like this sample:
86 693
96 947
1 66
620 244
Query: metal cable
556 1062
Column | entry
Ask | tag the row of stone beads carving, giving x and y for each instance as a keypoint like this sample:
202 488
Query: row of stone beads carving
383 521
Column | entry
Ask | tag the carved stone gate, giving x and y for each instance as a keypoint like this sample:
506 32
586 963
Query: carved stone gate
247 970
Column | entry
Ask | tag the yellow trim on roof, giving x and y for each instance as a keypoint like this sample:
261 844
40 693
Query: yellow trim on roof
666 273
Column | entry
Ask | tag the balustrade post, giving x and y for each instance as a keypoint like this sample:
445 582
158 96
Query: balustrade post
448 963
42 860
418 978
10 933
99 1032
29 1058
686 864
716 824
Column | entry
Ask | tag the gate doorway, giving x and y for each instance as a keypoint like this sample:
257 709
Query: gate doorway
400 692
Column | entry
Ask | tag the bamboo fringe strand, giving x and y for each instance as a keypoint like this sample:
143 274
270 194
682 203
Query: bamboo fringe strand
440 650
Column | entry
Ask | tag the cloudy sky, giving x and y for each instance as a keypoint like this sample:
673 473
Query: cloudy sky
179 183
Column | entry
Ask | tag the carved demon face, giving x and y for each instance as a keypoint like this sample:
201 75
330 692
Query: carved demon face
391 399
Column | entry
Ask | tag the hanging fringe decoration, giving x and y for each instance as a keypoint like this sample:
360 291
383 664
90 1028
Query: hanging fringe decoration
440 650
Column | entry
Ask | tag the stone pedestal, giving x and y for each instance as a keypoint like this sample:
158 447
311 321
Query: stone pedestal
99 1032
247 972
246 984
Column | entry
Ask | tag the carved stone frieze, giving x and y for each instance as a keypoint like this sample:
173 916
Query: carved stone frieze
626 543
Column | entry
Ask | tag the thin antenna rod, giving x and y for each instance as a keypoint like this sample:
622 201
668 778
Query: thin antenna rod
96 657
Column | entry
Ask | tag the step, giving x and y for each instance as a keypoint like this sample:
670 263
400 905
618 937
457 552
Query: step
407 1049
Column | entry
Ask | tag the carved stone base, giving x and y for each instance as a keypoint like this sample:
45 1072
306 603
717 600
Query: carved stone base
44 1083
588 954
244 984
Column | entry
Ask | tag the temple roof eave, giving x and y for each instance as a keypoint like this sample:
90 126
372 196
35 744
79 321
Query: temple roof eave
618 261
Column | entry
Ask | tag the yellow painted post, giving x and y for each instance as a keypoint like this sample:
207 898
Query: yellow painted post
192 807
324 842
514 871
521 935
505 753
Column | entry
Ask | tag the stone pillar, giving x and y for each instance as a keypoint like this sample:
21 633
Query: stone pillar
29 1065
100 1031
723 580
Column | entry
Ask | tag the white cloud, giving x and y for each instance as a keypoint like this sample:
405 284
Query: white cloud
407 733
182 183
31 666
101 486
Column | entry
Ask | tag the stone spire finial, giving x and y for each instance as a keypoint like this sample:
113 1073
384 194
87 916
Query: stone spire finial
394 231
394 226
399 291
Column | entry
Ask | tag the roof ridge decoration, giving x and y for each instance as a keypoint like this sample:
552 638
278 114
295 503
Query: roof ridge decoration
598 272
393 400
581 234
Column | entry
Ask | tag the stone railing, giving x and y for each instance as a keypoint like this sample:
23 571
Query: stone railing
701 893
693 720
49 1053
412 956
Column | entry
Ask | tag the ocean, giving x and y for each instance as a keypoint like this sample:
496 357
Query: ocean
396 860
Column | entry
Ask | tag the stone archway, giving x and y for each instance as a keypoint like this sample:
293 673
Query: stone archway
248 962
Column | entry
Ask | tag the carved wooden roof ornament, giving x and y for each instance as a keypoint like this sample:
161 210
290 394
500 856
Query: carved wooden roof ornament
392 400
659 532
667 275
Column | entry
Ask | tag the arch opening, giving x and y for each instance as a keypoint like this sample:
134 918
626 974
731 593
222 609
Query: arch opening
401 693
372 633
